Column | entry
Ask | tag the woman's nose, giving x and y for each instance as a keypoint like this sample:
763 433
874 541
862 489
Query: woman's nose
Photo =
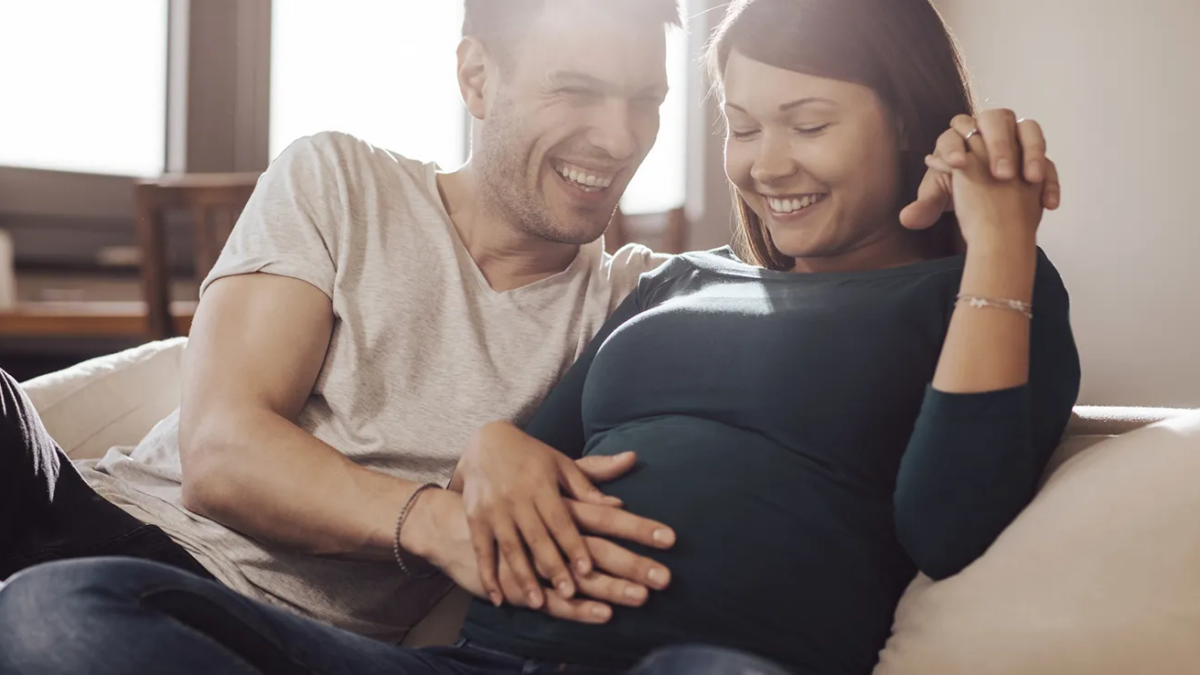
773 163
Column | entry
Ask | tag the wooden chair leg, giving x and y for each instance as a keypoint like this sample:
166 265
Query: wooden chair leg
151 233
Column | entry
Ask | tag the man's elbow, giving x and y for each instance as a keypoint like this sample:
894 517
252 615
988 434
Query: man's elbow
203 460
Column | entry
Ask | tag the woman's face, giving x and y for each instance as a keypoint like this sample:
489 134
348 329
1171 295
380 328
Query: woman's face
817 160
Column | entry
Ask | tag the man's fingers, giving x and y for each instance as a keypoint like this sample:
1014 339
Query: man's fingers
558 520
934 197
614 591
1033 150
1051 189
484 543
603 468
576 481
614 522
625 564
547 558
578 610
512 549
510 587
999 130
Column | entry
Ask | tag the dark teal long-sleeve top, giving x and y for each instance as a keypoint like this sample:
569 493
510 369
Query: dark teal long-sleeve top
786 429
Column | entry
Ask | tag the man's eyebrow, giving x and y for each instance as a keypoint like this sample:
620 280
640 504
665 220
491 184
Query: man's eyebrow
576 78
790 105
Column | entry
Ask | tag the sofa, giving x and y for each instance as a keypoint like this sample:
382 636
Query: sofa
992 618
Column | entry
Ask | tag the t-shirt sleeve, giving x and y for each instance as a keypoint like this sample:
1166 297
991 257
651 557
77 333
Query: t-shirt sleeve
289 227
626 267
974 460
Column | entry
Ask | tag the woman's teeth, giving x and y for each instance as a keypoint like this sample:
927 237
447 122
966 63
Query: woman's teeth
793 205
584 180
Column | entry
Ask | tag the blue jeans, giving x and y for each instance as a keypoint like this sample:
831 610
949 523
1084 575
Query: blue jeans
119 616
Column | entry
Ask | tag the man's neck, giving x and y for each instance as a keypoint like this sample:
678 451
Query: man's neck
507 256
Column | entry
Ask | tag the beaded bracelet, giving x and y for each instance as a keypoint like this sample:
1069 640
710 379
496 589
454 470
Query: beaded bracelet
396 549
979 302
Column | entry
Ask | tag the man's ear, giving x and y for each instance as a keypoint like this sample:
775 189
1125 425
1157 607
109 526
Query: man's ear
474 66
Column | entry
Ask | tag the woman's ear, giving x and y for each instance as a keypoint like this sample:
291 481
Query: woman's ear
902 135
474 66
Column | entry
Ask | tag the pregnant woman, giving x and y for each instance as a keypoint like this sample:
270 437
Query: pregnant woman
817 417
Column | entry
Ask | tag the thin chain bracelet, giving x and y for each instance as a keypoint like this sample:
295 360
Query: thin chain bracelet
396 549
979 302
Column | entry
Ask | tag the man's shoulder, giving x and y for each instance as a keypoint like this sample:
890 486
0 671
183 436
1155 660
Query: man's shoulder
632 261
342 154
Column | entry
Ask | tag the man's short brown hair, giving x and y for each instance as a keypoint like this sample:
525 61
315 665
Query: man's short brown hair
498 24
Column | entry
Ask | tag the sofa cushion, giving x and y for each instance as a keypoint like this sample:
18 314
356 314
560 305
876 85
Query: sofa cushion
110 401
1098 576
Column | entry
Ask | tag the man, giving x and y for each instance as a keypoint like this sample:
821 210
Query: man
367 314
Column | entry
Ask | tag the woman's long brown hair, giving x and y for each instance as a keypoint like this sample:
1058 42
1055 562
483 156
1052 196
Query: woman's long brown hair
901 49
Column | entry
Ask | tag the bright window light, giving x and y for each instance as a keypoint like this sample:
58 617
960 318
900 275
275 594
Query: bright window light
84 85
383 70
660 185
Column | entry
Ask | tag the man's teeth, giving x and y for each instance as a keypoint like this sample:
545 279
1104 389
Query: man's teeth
587 181
793 205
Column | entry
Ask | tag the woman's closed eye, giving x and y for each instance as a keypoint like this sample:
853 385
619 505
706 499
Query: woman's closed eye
742 134
812 130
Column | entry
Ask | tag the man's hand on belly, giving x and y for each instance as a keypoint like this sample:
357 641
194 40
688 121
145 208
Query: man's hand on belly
513 488
437 531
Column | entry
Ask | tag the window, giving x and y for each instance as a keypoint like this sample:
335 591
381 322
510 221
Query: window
383 70
661 182
84 85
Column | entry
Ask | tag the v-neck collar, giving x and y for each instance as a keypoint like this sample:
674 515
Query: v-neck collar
460 248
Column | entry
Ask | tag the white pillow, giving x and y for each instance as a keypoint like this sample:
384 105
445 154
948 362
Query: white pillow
1100 575
110 401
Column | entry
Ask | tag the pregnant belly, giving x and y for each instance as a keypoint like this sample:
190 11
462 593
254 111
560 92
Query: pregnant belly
775 554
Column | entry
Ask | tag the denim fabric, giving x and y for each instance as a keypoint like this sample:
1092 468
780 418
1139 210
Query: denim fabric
120 616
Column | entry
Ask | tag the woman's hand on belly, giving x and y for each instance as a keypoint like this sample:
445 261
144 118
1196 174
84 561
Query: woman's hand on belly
513 488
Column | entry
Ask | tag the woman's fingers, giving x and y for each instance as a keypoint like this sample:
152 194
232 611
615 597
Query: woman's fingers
1051 189
621 524
1033 150
952 148
938 164
512 550
934 197
484 543
627 565
998 129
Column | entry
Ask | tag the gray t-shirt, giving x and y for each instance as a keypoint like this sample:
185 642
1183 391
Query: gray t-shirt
423 352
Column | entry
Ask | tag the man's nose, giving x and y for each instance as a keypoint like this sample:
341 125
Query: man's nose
613 131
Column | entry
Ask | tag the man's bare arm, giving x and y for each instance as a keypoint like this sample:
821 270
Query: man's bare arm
257 344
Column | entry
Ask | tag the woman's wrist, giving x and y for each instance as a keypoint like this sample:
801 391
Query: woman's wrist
1001 267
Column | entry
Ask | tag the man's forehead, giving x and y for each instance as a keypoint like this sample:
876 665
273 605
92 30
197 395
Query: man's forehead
582 38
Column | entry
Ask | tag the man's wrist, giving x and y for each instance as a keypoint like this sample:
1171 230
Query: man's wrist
419 535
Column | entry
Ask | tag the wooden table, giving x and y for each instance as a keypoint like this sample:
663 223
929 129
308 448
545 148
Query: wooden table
127 320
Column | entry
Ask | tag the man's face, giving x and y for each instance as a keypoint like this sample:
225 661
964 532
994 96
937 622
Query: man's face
570 119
